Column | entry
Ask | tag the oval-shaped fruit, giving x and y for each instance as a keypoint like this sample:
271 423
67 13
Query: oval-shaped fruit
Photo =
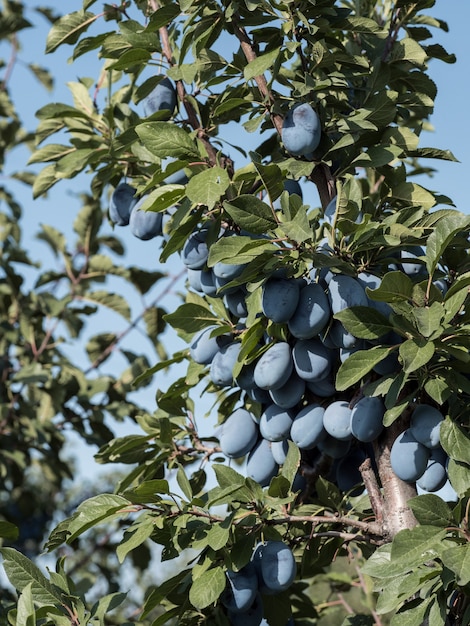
194 279
121 203
280 298
275 423
260 465
434 476
241 589
408 257
408 457
145 224
279 450
312 360
274 366
345 291
276 565
195 251
162 97
367 279
290 394
221 370
238 434
312 312
348 475
367 418
301 130
203 347
322 388
337 420
334 448
208 283
307 428
253 616
425 425
235 301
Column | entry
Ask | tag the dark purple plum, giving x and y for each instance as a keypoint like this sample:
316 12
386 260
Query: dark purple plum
221 370
276 566
344 292
279 299
145 224
312 313
241 589
434 476
312 360
195 250
121 203
235 301
203 347
290 394
334 448
162 97
253 616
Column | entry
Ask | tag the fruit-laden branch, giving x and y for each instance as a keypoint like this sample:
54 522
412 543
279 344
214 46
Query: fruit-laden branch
321 175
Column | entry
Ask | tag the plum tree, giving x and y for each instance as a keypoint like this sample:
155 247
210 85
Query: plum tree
308 378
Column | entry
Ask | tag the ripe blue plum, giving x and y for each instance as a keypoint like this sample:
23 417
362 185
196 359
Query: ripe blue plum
241 589
312 360
279 450
221 369
408 457
367 279
162 97
301 130
195 250
208 283
345 291
276 566
203 347
260 465
425 425
307 428
194 279
290 394
330 211
312 312
238 435
235 301
145 224
275 423
227 270
279 299
340 337
367 418
434 476
121 203
274 366
337 420
251 617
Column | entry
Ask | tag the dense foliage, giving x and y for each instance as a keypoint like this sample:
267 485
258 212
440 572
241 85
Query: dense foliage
271 150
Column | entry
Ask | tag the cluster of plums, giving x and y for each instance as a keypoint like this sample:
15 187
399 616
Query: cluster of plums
271 570
293 379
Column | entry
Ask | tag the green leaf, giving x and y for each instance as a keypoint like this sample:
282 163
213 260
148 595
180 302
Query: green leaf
46 178
110 300
130 58
415 546
413 195
251 213
358 364
191 317
67 29
459 476
430 510
457 559
207 588
26 615
106 604
165 139
22 572
184 483
415 353
408 49
429 319
208 186
135 536
291 465
364 322
95 510
395 287
443 233
8 530
454 441
242 248
262 63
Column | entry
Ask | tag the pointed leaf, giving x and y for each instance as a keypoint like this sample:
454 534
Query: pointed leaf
207 588
165 139
67 29
208 186
252 214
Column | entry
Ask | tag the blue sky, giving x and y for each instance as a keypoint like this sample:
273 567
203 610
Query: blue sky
60 207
